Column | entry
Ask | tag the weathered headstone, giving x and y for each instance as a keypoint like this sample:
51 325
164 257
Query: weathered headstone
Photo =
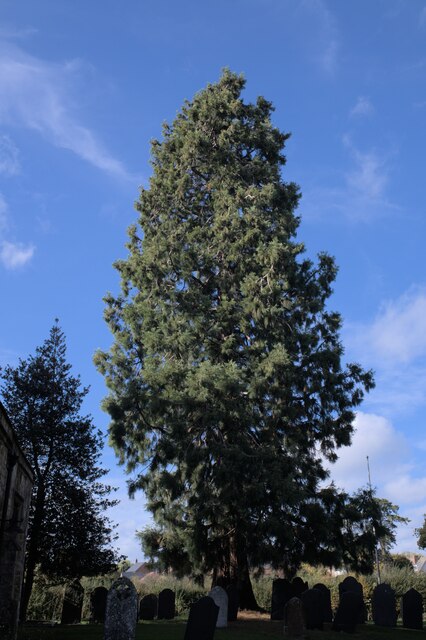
121 611
233 602
220 598
294 621
383 605
166 605
72 603
313 608
202 620
281 594
348 612
98 600
412 609
298 586
351 584
148 607
326 601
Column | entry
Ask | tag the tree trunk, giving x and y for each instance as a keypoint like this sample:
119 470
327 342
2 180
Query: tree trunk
32 551
240 574
236 571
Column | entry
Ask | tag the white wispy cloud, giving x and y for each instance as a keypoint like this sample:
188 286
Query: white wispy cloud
393 472
400 390
394 345
37 95
325 38
369 176
397 335
362 107
375 437
14 255
399 332
9 32
9 156
3 214
421 445
328 57
422 18
406 489
361 193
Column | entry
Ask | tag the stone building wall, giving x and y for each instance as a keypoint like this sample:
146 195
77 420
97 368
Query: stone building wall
16 483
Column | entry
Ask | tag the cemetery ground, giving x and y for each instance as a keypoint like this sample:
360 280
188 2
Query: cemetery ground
249 626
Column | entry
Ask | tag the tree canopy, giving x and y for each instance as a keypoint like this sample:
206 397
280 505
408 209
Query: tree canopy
227 390
69 534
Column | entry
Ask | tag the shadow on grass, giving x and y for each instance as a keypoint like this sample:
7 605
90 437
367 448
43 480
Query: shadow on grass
245 629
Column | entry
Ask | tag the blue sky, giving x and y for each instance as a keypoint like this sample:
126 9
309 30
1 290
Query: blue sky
84 87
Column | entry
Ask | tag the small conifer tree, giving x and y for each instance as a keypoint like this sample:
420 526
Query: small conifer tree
69 534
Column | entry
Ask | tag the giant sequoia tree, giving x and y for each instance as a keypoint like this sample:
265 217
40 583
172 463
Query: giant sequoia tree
69 534
227 388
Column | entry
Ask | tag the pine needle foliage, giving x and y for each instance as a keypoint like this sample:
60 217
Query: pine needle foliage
226 384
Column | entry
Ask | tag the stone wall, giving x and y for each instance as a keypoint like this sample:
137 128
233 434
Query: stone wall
16 483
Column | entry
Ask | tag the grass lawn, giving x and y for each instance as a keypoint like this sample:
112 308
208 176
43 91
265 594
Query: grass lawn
248 627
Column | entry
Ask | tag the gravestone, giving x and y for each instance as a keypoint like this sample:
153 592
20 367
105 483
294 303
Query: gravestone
166 605
72 603
312 603
383 605
412 610
232 593
121 611
281 594
98 600
351 584
348 612
220 598
148 607
326 601
294 621
202 620
298 586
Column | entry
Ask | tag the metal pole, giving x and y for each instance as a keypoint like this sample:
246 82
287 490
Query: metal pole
371 497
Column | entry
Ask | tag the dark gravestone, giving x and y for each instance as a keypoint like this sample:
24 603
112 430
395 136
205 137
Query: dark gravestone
281 594
294 621
72 603
148 607
348 612
298 586
351 584
232 592
166 605
326 601
98 600
313 608
412 610
121 611
202 620
383 604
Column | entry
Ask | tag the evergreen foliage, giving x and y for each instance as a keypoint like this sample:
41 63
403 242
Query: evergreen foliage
69 534
227 387
421 533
